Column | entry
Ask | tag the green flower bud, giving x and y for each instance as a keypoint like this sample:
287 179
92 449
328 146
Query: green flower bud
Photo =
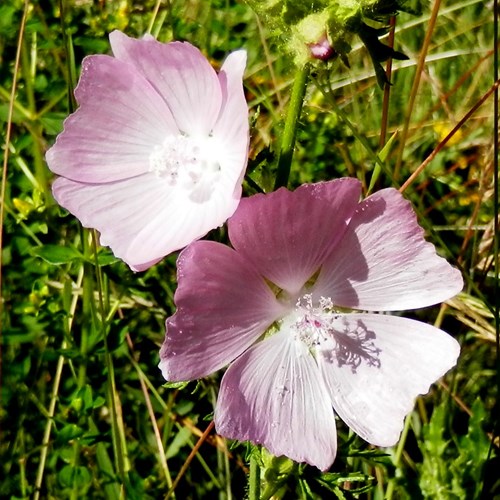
324 29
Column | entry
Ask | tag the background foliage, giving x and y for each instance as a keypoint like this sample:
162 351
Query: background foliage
84 412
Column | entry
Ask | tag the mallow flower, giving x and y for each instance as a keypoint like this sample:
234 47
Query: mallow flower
155 154
297 307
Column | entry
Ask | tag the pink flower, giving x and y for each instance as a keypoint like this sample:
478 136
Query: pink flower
155 155
285 307
322 49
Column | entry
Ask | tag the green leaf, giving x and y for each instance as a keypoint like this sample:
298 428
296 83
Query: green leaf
105 258
176 385
384 153
75 477
57 255
68 432
180 439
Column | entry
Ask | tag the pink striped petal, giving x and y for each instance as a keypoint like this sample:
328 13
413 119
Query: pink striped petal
273 395
111 135
144 218
223 306
287 235
384 262
373 390
232 128
182 76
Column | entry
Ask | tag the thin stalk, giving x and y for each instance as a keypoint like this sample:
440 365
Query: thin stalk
397 458
360 138
222 477
254 475
387 88
416 84
107 472
189 459
23 483
54 396
70 57
35 128
117 425
290 130
3 187
88 315
161 451
154 15
453 131
496 246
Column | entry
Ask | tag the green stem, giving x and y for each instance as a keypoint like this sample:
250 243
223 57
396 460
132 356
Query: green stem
290 131
117 424
35 128
397 458
254 476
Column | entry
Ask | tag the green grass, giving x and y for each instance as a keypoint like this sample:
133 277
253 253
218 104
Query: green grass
84 412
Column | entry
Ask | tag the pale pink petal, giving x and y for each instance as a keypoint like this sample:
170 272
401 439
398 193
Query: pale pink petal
287 235
180 73
120 120
384 262
392 360
223 306
232 125
144 218
273 395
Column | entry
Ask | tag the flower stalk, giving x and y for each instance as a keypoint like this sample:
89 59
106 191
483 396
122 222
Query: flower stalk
290 131
254 475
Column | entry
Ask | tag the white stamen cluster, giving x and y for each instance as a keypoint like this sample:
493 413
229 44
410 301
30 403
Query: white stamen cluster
185 160
312 326
326 332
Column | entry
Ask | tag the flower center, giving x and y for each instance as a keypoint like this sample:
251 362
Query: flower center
329 334
186 161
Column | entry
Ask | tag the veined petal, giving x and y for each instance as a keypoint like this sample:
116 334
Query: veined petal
182 76
384 262
120 120
373 390
223 306
287 235
232 128
273 395
184 216
144 218
232 125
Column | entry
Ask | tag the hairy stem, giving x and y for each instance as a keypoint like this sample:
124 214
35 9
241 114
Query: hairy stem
290 131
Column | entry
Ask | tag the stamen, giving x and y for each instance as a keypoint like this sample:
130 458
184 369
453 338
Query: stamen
327 333
186 161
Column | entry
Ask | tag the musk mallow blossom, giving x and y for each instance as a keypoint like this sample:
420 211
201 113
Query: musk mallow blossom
155 154
297 309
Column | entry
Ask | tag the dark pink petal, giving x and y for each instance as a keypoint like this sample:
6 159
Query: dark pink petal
223 306
384 262
392 362
144 218
120 120
182 76
287 235
273 395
